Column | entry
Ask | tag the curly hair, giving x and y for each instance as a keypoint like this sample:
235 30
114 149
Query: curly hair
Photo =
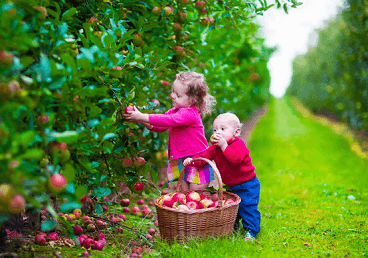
198 91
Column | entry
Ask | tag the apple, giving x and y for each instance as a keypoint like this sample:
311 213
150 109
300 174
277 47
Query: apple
78 230
6 59
88 221
212 138
99 245
137 41
91 227
167 201
151 231
199 5
161 183
147 213
120 230
124 202
139 186
116 220
101 224
144 206
207 203
140 161
181 198
40 239
60 150
203 196
177 28
126 210
135 209
104 208
164 192
140 201
156 11
6 193
126 162
137 249
182 207
17 204
148 236
57 183
88 242
214 197
42 10
156 102
128 108
228 201
85 254
122 216
53 236
100 236
83 199
84 218
193 196
93 21
89 201
165 83
168 11
192 205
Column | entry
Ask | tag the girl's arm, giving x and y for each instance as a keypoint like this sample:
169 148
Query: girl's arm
156 129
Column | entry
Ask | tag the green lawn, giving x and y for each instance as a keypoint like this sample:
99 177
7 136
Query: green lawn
314 194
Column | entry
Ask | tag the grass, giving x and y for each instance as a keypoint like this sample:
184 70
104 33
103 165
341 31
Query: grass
314 197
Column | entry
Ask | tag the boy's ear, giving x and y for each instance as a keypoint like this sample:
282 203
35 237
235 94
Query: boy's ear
237 132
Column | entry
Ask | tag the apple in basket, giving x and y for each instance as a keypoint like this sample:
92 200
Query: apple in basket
203 196
228 201
207 203
193 197
182 207
179 197
192 205
167 201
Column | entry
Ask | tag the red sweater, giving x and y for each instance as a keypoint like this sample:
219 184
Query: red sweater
234 164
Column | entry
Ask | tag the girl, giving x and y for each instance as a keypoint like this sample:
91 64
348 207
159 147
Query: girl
191 102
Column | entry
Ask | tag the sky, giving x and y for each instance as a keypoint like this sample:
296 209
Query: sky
293 34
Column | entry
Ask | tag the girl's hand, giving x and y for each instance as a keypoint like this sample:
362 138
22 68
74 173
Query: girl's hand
188 162
136 116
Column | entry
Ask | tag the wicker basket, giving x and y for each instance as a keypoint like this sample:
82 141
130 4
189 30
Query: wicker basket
175 225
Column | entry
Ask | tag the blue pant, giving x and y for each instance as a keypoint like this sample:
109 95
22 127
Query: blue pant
248 206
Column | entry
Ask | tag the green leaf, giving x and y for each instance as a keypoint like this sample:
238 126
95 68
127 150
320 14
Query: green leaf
98 209
32 154
70 62
285 8
26 137
45 68
101 191
69 206
93 122
67 136
81 191
4 217
48 225
69 172
109 136
52 211
68 14
108 40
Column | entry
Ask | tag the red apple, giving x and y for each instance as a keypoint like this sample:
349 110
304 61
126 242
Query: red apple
17 204
122 216
6 59
182 207
53 236
214 197
147 213
203 196
139 186
193 196
163 192
84 218
168 11
120 230
88 242
167 201
135 209
126 210
161 183
83 199
128 108
76 215
192 205
57 183
78 230
137 249
206 203
140 201
148 236
89 201
104 208
40 239
199 5
156 11
91 227
85 254
101 224
182 198
151 231
140 161
165 83
126 162
124 202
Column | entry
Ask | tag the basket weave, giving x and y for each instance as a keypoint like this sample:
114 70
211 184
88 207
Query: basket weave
175 225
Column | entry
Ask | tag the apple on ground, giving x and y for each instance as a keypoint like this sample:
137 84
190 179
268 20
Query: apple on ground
151 231
126 210
147 213
91 227
122 216
53 236
101 224
135 209
78 230
124 202
144 206
40 239
140 201
193 196
120 230
192 205
84 218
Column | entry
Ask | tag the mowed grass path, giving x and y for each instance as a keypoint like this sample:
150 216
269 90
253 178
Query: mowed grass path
314 194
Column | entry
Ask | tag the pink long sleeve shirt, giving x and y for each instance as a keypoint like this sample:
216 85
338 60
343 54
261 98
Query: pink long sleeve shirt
186 131
234 164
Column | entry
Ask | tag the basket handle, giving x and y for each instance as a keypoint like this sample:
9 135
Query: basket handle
217 176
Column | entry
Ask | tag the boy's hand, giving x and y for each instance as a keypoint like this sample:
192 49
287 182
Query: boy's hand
188 162
220 141
136 116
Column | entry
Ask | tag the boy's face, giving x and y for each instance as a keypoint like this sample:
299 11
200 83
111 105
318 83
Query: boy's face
179 95
226 127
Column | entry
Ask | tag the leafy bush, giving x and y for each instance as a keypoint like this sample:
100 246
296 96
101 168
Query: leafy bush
333 75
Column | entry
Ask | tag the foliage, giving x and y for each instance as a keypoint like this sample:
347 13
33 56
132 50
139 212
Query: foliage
333 76
68 68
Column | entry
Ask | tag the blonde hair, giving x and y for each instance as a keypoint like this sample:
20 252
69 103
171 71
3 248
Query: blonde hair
197 91
231 118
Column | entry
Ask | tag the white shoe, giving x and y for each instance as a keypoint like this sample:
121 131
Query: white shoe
249 237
